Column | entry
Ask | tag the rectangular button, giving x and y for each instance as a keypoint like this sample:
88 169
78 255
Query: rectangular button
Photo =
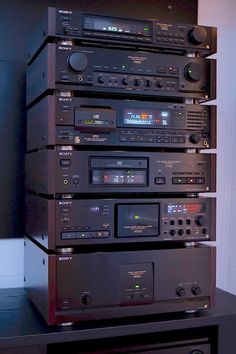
179 180
85 234
173 70
200 180
191 180
64 77
68 235
65 162
160 180
161 69
102 234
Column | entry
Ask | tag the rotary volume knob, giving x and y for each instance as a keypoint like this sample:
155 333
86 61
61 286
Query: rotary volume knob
195 138
77 62
193 72
198 35
200 220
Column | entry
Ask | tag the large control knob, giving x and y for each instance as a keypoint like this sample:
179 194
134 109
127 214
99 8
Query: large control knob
77 62
195 138
198 35
200 220
193 72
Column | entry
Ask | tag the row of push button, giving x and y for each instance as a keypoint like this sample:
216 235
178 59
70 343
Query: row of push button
152 139
84 235
181 180
181 232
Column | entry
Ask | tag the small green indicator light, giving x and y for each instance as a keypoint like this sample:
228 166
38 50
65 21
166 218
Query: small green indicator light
136 217
146 29
123 66
137 286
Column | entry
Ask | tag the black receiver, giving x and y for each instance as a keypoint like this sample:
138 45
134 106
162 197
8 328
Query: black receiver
80 222
84 172
120 123
139 33
120 72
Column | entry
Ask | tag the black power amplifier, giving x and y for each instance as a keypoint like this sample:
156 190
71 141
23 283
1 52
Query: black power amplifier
73 287
136 346
122 31
63 171
69 222
120 72
125 123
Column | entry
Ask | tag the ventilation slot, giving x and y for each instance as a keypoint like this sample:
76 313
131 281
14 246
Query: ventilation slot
195 119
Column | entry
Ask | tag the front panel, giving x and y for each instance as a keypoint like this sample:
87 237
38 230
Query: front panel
118 172
120 72
120 284
139 33
200 346
104 122
70 223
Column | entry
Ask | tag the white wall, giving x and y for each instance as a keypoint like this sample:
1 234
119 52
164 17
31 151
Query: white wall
221 14
11 263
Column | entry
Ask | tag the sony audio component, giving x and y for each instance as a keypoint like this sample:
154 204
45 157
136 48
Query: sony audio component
71 222
73 287
105 122
137 345
56 171
94 70
139 33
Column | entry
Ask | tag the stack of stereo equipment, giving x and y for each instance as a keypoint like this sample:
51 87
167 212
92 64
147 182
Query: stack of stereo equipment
114 167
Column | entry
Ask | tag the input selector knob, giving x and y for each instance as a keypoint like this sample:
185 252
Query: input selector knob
193 72
200 220
195 138
77 62
198 35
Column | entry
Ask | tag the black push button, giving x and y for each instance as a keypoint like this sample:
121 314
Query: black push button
179 180
68 235
65 162
160 180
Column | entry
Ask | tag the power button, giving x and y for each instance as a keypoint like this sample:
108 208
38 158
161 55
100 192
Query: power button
65 162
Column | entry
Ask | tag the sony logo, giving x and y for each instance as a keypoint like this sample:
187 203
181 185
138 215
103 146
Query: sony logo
64 99
65 48
64 203
65 258
65 12
65 153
